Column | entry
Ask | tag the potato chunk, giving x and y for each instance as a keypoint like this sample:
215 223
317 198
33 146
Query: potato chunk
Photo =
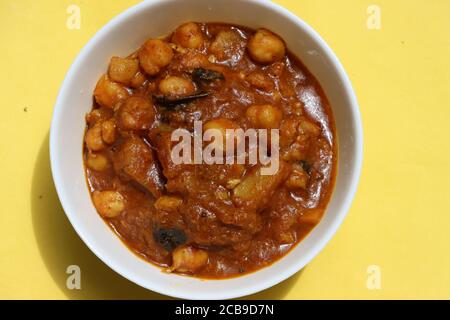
188 259
308 128
107 93
108 203
123 70
154 55
255 189
136 113
312 216
288 131
260 81
227 45
265 47
134 161
191 60
188 35
298 179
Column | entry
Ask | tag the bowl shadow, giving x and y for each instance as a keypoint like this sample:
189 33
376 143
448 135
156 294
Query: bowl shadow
60 247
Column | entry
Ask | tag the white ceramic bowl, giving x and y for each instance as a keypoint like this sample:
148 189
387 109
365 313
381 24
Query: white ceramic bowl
127 32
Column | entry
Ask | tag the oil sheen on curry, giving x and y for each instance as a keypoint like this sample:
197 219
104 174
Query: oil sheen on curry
209 220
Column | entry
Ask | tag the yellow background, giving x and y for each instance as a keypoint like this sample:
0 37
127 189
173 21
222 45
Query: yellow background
399 221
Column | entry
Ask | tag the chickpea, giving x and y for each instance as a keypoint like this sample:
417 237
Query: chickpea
123 70
222 125
265 47
107 93
176 86
98 115
155 55
188 259
136 113
138 80
108 203
168 203
97 161
93 138
188 35
264 116
109 132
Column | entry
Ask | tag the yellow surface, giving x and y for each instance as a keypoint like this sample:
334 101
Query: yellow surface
399 221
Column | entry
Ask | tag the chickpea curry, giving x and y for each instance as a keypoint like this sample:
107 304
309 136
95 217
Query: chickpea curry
217 220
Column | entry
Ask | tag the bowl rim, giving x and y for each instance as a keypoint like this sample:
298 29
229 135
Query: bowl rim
325 237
